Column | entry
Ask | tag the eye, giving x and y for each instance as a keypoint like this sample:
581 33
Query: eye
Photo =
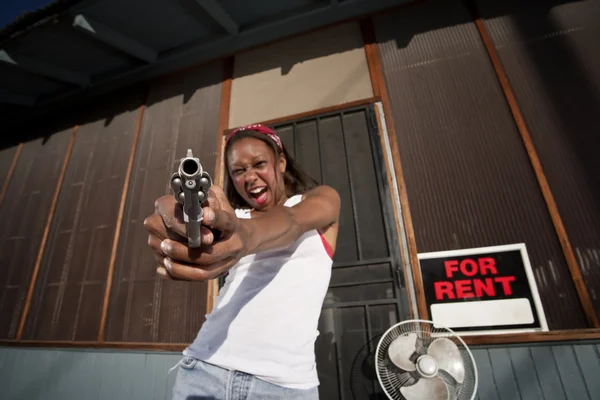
237 172
260 164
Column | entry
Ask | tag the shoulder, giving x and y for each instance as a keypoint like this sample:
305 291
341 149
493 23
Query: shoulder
323 191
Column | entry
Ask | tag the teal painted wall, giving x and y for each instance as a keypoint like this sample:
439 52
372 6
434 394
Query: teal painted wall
85 374
546 371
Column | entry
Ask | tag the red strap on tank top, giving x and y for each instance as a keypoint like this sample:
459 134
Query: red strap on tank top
327 246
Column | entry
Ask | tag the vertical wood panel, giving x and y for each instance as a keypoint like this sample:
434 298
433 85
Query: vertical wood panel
8 162
547 372
379 86
485 375
219 176
468 177
24 214
113 254
570 373
524 368
182 112
65 374
549 51
67 301
588 359
79 374
574 270
504 376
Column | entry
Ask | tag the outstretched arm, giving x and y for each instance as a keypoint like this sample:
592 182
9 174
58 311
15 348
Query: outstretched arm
281 226
276 228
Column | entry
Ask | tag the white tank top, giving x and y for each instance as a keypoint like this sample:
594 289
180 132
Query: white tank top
266 315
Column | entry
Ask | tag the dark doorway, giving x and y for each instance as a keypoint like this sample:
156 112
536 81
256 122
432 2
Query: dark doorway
367 294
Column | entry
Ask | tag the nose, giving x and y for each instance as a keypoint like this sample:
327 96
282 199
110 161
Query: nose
250 175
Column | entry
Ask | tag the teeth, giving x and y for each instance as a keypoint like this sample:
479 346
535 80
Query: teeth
255 191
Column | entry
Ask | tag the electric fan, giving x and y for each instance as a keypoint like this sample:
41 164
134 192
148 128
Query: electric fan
416 361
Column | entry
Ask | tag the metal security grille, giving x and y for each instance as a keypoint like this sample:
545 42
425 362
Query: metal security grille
366 293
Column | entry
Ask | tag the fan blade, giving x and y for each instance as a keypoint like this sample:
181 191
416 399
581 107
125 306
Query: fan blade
448 358
401 349
430 389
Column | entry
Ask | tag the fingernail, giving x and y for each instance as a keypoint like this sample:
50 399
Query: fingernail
161 271
165 246
167 263
209 215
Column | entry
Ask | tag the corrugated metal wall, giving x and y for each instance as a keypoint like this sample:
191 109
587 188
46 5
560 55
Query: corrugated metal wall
7 155
468 177
69 292
24 212
566 371
551 56
182 112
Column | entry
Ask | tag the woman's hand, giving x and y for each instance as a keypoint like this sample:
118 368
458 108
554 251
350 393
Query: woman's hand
167 238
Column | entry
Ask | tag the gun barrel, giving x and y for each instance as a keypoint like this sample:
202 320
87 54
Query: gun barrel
189 168
190 185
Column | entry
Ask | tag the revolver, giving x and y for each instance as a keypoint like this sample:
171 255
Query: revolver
190 185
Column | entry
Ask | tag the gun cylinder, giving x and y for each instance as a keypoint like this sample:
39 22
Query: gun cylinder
190 185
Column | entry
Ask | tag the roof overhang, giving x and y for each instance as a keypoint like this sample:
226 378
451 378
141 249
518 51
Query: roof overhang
86 48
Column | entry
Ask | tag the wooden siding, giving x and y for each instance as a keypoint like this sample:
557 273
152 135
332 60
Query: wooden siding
182 112
468 177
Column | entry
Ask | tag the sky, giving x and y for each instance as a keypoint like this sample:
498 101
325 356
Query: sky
11 9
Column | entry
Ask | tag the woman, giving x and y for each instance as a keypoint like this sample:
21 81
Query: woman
276 246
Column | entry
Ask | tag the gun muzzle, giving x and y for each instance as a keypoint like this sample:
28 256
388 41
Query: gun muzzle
190 185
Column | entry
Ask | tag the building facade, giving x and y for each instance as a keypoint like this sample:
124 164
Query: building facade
444 125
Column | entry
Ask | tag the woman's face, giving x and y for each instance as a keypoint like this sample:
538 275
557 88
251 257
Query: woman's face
256 174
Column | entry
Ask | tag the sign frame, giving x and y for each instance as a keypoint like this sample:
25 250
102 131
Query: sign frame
537 305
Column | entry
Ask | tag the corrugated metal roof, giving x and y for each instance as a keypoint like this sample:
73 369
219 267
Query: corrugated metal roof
73 50
31 18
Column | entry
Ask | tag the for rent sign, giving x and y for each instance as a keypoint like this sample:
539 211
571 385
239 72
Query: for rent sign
482 289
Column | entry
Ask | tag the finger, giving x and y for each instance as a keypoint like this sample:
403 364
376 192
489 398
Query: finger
201 256
217 193
160 259
156 226
191 273
219 219
171 213
161 270
154 243
206 236
212 201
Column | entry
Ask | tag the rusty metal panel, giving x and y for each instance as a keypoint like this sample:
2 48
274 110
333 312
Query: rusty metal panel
68 298
24 212
468 177
552 58
7 155
182 111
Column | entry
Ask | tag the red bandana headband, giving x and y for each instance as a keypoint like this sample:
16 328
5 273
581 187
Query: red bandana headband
260 129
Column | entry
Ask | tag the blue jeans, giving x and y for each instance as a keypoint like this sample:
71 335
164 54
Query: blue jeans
199 380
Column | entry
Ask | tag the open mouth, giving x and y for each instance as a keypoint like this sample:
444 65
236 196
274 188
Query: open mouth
259 194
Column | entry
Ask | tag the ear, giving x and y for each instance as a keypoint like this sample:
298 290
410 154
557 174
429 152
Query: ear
282 163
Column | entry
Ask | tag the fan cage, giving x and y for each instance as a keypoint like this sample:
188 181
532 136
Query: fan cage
392 379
